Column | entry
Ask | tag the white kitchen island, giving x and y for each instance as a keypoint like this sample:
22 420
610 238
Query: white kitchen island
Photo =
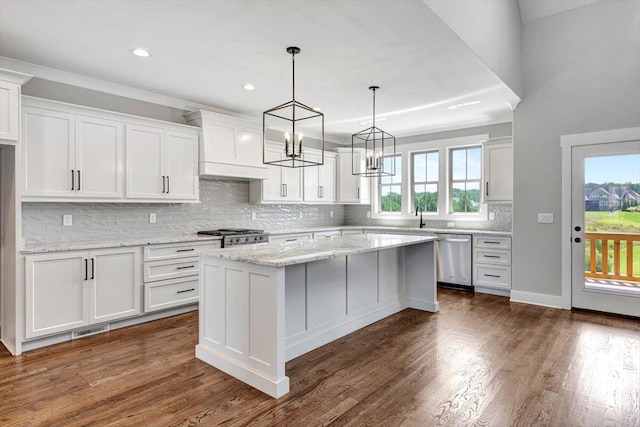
262 305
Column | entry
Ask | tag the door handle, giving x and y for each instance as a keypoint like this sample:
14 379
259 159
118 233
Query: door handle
164 188
93 268
168 182
78 179
578 228
577 240
86 269
73 179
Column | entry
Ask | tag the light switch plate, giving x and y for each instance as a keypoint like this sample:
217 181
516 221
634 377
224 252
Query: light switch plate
330 214
451 224
67 220
254 216
368 214
492 216
300 215
152 218
545 218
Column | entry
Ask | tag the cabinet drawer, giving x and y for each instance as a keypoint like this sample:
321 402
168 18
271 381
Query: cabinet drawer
171 269
492 242
492 256
289 237
326 234
177 250
170 293
491 276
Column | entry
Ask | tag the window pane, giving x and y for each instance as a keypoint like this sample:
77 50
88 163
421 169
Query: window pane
419 196
459 164
473 163
397 179
391 198
385 179
419 167
432 167
431 196
466 197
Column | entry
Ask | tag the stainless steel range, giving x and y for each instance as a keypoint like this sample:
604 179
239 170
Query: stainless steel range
238 236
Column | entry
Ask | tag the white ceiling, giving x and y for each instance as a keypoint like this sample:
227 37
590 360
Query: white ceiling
530 10
204 51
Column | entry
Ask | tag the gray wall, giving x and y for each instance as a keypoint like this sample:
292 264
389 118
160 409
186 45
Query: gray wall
223 204
581 74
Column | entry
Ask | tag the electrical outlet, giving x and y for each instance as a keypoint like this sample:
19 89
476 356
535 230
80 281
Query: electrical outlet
330 214
254 216
368 214
451 224
300 215
67 220
152 218
492 216
545 218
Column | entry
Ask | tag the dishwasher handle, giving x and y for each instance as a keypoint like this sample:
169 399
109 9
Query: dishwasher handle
450 240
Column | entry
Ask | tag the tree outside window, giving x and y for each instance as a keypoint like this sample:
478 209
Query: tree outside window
390 187
465 178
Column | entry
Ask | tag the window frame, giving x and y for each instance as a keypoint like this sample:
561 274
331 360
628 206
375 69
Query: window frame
379 186
452 181
413 182
405 161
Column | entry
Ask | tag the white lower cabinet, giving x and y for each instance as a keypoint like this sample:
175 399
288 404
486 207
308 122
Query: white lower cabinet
492 264
69 290
293 237
326 234
352 231
171 274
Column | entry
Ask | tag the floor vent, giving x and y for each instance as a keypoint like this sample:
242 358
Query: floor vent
90 331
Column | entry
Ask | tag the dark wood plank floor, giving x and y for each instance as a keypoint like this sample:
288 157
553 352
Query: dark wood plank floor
481 361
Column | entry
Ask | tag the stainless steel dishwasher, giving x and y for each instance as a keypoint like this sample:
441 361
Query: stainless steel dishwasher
454 260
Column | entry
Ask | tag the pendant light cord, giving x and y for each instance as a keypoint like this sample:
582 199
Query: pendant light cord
374 108
293 74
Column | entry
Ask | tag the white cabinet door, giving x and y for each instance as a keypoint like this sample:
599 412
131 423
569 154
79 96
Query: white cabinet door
292 180
311 177
99 158
272 187
49 153
116 284
145 163
248 147
9 111
56 293
181 156
498 172
328 179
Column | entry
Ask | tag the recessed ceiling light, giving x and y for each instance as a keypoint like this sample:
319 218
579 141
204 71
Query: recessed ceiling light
143 53
248 86
317 108
452 107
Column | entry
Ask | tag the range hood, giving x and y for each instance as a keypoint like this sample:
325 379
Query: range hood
230 147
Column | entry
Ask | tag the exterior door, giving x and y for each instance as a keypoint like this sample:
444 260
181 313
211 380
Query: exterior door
145 163
181 154
99 158
605 212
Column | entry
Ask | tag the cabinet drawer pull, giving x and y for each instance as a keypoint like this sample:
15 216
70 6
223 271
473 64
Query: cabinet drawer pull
491 256
186 266
291 240
491 243
186 290
186 250
492 275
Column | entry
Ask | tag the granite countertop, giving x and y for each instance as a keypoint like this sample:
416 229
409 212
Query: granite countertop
300 252
75 246
382 228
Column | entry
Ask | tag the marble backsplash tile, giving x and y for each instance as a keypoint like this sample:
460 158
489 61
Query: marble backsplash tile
222 204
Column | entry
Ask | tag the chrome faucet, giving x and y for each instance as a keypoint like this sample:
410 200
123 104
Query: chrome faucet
421 221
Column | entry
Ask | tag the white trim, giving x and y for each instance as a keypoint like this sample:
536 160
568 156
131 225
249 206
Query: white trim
14 76
567 142
554 301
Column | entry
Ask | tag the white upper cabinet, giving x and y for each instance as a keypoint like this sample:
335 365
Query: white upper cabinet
320 181
281 185
10 90
351 188
72 153
230 147
498 171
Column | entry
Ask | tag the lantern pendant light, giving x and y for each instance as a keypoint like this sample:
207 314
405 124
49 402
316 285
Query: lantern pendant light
283 126
373 150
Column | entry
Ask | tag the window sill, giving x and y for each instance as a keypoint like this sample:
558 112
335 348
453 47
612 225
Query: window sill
482 216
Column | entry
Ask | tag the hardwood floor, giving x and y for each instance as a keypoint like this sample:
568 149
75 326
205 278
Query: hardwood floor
481 361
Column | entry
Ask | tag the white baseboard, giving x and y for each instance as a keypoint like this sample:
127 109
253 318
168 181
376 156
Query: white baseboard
9 347
274 388
492 291
544 300
424 305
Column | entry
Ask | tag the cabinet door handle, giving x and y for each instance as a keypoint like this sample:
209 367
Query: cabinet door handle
186 250
164 188
73 179
358 192
486 188
167 184
286 190
185 267
78 179
86 269
282 190
93 268
186 290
